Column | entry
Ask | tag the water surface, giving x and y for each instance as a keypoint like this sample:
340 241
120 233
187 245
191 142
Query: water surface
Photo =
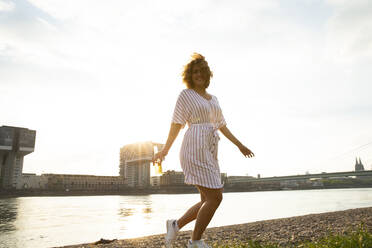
64 220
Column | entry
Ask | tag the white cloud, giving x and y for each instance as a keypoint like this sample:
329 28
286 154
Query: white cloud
6 6
349 31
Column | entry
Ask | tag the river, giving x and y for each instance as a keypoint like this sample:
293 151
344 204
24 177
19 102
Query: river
65 220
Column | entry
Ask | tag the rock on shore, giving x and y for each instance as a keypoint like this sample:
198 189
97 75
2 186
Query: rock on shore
283 231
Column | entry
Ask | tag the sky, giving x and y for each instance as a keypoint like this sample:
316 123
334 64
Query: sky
293 80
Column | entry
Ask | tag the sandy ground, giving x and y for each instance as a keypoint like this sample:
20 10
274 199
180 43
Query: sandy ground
284 231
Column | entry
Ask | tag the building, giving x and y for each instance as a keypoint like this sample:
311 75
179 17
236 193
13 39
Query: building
135 161
172 177
239 179
15 143
32 181
155 181
83 182
358 165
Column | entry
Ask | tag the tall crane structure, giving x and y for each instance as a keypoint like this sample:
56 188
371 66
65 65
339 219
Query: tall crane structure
15 143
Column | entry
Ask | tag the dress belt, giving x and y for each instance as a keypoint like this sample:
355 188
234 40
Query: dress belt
208 124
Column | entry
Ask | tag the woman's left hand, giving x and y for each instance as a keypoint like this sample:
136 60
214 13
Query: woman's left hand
246 152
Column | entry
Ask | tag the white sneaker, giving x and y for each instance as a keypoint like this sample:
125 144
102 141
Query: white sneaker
197 244
172 230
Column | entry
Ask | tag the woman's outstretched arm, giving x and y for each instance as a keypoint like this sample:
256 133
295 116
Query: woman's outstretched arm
230 136
173 133
235 141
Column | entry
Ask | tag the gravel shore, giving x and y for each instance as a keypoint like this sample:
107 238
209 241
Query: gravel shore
283 231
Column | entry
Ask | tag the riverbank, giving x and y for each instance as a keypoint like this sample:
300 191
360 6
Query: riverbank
284 231
160 190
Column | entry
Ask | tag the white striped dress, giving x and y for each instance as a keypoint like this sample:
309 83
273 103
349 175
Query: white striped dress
198 154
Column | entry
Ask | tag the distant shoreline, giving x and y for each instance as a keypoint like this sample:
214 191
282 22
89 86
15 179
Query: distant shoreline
163 190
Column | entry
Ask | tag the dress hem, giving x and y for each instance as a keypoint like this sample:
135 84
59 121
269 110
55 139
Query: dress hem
206 186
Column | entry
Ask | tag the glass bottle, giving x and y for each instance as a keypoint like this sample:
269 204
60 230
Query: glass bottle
157 164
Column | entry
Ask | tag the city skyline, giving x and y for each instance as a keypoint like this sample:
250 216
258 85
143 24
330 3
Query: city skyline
292 80
140 153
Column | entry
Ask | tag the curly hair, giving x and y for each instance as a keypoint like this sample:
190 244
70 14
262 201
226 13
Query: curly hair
197 59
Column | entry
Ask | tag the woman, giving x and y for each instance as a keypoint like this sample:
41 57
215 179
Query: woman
198 155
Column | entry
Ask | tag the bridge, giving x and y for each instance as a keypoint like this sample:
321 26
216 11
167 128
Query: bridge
306 176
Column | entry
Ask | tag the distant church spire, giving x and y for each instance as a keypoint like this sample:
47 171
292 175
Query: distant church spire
358 165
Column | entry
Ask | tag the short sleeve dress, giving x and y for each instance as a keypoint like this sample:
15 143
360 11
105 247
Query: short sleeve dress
198 154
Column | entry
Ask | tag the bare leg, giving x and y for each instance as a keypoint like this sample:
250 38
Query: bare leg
207 210
191 214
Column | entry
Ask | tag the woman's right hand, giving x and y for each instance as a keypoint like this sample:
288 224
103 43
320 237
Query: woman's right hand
159 156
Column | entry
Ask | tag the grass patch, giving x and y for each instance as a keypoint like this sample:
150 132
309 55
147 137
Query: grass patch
360 238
